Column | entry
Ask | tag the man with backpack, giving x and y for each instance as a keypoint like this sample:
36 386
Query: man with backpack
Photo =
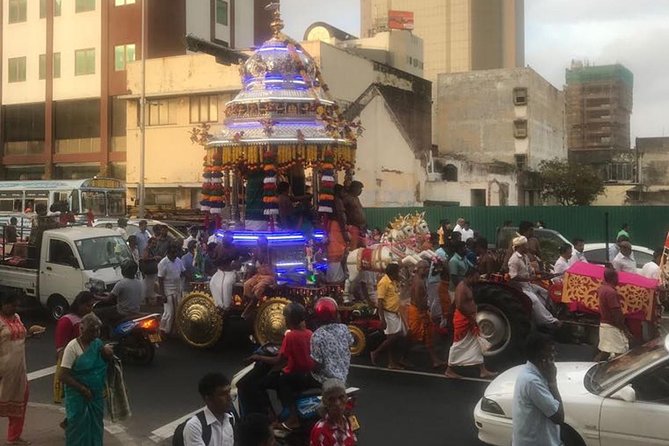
212 426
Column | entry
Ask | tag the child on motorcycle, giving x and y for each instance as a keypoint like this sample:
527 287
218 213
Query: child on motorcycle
295 353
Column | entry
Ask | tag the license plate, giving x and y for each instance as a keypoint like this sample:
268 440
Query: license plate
154 338
353 421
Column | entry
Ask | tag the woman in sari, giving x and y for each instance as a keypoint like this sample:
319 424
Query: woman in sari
83 371
67 329
14 380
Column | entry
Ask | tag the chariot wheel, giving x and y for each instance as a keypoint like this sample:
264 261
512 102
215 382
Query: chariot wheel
270 324
199 321
359 340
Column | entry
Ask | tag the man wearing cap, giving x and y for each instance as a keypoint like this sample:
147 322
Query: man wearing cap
521 273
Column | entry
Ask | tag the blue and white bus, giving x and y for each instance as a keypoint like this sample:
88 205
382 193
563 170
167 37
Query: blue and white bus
104 196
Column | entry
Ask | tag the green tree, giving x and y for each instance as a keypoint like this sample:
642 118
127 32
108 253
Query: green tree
570 184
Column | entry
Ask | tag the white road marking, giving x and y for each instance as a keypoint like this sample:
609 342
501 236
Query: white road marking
37 374
413 372
166 431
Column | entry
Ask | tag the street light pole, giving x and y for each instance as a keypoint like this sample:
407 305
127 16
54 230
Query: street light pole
142 118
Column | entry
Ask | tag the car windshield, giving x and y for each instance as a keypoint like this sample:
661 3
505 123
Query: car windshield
102 252
605 375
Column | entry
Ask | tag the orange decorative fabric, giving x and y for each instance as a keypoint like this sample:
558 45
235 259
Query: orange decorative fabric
419 325
462 325
582 280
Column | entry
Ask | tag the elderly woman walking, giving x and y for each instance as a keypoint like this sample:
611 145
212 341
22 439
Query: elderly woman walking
334 427
14 380
83 371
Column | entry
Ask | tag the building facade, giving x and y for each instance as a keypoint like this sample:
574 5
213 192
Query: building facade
64 67
502 122
458 35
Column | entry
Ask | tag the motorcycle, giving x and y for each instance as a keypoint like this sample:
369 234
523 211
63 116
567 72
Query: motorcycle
135 340
308 401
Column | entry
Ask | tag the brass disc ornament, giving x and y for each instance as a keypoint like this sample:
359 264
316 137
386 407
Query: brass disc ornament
270 324
359 340
199 321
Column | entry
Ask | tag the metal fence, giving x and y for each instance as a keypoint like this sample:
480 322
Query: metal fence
649 224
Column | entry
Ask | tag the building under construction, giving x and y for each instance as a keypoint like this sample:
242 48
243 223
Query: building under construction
598 107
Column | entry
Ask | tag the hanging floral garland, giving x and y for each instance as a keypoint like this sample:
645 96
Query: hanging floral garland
326 193
270 199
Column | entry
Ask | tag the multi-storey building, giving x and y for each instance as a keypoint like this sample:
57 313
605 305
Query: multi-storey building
599 105
63 67
496 128
458 35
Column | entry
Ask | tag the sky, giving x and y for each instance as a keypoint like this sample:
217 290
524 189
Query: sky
634 33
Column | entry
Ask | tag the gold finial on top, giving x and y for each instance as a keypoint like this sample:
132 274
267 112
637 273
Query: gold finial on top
277 23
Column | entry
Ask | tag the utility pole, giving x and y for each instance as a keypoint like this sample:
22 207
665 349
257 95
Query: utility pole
141 195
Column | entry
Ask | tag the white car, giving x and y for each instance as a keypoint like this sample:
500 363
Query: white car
596 253
623 402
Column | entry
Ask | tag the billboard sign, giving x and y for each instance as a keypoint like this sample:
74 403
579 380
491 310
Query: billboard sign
400 20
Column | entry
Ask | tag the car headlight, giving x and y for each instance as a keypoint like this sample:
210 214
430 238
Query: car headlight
488 405
95 286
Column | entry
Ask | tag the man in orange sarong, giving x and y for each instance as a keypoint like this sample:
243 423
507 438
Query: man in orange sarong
420 326
466 349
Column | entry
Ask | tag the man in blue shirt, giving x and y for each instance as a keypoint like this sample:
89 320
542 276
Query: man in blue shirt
537 406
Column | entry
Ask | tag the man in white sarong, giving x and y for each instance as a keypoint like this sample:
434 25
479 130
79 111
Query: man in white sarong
521 273
466 349
613 334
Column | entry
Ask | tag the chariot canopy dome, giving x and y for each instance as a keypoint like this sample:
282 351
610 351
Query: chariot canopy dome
284 103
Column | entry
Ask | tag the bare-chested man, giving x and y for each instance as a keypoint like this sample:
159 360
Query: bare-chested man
466 349
421 328
355 215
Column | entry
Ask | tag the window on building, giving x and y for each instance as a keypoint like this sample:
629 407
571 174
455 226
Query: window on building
222 12
77 126
520 128
520 96
204 109
23 129
478 197
17 69
162 111
118 125
450 173
42 8
18 11
56 66
620 172
122 55
521 161
84 62
123 2
84 5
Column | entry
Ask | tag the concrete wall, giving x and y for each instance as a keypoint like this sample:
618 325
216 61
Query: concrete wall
397 48
477 113
614 195
500 186
386 164
172 160
653 160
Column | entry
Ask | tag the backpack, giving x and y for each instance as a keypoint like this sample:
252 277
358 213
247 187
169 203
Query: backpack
178 438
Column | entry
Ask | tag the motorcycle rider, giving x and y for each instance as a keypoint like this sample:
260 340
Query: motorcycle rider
295 355
330 343
126 294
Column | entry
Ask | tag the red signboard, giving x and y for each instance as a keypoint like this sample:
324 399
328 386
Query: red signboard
400 19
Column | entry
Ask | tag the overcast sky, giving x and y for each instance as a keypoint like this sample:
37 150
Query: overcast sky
632 32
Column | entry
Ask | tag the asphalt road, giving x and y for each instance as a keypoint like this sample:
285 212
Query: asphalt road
394 408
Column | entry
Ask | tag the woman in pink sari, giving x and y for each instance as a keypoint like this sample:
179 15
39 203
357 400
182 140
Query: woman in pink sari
67 329
14 382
